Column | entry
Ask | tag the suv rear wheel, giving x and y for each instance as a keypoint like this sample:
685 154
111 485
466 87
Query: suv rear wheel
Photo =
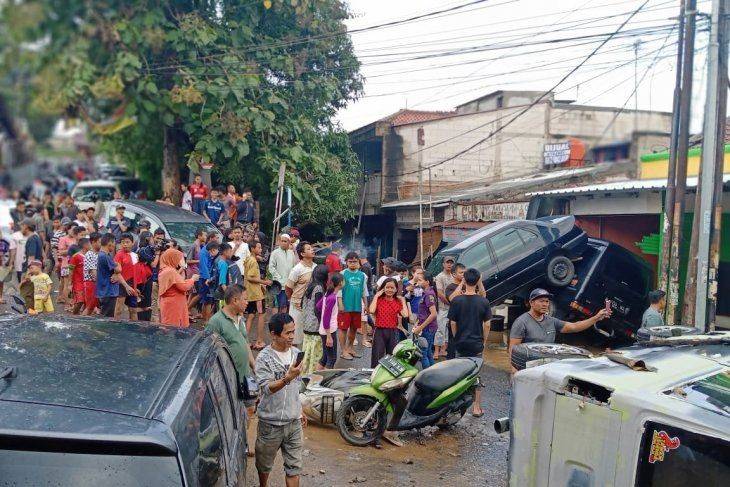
560 271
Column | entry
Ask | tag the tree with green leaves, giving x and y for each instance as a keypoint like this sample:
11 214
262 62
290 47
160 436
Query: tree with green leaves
243 85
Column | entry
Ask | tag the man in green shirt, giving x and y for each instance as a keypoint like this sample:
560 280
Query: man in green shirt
227 324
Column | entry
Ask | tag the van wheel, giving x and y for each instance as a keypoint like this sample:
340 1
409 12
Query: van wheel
560 271
526 352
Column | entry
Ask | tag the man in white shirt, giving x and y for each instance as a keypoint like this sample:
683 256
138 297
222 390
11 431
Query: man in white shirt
17 252
281 262
240 247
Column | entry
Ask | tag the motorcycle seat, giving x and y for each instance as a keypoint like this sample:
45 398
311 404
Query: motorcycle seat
443 375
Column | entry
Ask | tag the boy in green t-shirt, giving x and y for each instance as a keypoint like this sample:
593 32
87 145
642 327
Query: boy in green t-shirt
352 300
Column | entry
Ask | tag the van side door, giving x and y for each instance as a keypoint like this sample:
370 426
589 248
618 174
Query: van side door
233 427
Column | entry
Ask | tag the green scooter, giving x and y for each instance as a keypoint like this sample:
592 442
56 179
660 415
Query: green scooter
401 396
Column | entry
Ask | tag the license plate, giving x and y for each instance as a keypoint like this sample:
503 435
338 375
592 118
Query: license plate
392 365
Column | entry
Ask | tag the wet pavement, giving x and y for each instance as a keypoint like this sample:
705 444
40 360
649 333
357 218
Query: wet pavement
470 453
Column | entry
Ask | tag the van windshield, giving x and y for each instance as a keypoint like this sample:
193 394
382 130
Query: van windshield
84 469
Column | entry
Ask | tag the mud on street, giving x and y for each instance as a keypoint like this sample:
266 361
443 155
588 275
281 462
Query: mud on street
470 453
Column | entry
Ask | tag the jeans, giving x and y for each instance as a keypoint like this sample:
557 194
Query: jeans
427 359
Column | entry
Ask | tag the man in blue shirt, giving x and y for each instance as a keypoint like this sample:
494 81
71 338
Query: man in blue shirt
214 208
206 256
107 276
119 224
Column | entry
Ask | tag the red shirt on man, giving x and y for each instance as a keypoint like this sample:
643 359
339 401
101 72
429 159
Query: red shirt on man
124 259
198 190
77 277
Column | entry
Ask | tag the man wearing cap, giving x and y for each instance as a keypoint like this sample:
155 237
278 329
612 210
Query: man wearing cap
536 326
120 224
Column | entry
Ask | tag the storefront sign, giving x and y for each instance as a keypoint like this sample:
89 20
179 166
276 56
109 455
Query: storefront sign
556 154
494 211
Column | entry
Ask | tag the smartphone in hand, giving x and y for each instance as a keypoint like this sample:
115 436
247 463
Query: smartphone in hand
298 361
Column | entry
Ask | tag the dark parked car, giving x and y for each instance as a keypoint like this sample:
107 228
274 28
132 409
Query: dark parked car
514 255
85 402
177 223
607 271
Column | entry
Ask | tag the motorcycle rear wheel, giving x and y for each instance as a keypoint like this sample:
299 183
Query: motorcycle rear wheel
351 413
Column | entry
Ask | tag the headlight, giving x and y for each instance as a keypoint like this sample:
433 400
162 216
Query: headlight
395 383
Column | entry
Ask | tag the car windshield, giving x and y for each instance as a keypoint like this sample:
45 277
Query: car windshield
84 469
85 195
184 232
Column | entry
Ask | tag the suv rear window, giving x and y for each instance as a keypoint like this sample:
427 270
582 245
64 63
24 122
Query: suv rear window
59 468
674 457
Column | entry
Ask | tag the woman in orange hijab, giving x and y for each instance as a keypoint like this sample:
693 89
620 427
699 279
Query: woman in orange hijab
173 302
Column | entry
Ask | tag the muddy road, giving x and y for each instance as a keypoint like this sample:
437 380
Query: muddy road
470 453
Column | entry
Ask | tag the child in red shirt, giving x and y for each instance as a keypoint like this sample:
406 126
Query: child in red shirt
128 288
76 268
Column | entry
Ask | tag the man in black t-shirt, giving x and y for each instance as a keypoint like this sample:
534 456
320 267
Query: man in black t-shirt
469 316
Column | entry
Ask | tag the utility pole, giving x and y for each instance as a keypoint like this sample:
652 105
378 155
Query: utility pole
709 190
421 142
637 44
672 170
685 106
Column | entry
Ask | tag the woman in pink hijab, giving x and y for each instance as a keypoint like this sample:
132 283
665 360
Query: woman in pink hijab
173 287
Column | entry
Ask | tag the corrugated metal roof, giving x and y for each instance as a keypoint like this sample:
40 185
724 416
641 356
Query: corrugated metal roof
619 186
486 189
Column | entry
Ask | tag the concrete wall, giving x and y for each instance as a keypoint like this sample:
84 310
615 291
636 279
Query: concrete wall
516 150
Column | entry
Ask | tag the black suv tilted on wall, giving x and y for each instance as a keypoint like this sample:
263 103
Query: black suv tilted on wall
85 402
514 255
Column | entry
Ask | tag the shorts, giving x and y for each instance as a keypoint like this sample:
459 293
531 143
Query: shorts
255 307
204 292
43 305
90 299
79 296
442 334
349 320
130 301
107 305
272 438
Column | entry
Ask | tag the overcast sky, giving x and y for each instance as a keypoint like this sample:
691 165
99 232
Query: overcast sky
501 44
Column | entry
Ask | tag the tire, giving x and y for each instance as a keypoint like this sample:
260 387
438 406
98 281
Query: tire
659 332
560 271
526 352
355 408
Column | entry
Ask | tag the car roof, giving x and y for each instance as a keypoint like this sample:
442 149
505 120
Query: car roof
97 182
165 212
90 363
681 359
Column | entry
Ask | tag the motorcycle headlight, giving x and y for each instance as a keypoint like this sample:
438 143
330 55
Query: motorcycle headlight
395 383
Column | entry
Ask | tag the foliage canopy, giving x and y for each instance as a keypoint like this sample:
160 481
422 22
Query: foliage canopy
242 84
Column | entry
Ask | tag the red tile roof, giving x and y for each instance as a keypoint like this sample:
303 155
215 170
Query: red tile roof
405 116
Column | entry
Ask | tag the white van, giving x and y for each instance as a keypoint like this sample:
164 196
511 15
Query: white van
84 192
601 422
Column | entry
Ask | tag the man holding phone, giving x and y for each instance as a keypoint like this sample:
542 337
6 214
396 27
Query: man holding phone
280 412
